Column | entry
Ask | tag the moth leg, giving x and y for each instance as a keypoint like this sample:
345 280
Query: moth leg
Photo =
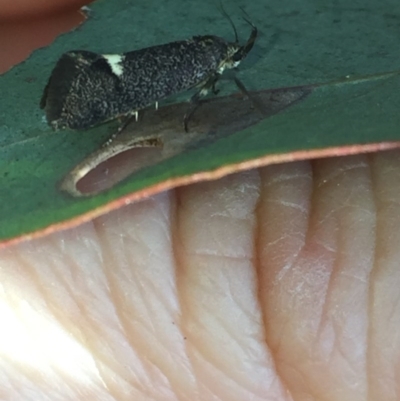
256 103
195 100
213 88
124 122
194 105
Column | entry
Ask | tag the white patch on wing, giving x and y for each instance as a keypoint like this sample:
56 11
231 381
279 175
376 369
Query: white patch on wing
115 61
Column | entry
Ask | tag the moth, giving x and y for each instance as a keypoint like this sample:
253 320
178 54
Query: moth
86 89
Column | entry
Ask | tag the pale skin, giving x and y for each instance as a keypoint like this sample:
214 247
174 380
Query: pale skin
273 284
269 284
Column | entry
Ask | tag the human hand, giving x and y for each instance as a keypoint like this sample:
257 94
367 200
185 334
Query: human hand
278 283
268 284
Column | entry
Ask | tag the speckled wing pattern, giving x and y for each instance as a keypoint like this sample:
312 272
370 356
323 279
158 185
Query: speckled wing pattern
86 89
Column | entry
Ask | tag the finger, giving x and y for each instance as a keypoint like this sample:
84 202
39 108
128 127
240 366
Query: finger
221 317
25 9
23 28
384 339
315 275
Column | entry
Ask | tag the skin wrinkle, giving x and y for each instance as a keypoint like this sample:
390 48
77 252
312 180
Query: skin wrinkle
281 239
205 349
75 267
18 387
8 384
103 363
318 221
323 220
326 247
368 356
390 202
114 292
287 266
26 374
87 318
167 238
134 336
136 382
249 312
278 381
273 361
176 244
392 313
214 256
300 250
162 347
336 350
362 280
285 177
149 282
227 295
54 311
277 241
340 172
322 320
231 379
289 204
231 382
214 361
311 238
218 241
383 374
223 324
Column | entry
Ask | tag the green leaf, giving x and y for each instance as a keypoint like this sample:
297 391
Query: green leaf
355 100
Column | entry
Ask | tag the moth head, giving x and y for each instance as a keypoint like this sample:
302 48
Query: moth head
237 52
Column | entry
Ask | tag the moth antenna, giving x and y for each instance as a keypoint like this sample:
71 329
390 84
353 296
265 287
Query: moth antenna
244 50
246 16
226 15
